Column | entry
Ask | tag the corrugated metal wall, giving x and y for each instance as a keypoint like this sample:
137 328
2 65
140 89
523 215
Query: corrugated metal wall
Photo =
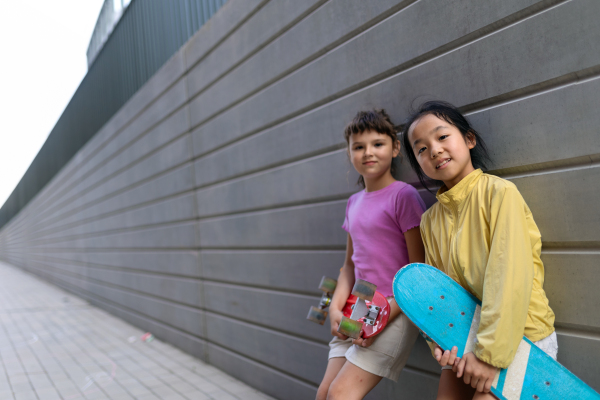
208 208
148 34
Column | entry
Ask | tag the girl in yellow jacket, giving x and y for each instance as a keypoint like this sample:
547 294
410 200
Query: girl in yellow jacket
482 234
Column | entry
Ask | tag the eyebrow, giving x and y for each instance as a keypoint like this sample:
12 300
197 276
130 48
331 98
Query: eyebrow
437 128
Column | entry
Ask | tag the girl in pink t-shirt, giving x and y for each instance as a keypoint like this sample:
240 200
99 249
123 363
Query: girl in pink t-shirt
382 222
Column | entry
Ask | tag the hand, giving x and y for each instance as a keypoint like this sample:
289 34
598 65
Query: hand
477 373
447 357
335 317
363 342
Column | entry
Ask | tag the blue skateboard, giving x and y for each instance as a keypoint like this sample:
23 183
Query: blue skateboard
449 316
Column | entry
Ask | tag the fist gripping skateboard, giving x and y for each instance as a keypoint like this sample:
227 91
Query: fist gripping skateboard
366 311
449 316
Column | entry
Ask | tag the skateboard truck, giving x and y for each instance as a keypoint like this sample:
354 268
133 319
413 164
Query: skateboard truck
371 316
318 314
361 312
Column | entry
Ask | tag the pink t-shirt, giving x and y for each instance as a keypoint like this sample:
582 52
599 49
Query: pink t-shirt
376 222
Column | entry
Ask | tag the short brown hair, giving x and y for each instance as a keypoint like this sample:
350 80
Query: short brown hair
375 120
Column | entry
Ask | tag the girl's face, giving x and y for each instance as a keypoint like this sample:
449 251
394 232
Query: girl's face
371 154
441 150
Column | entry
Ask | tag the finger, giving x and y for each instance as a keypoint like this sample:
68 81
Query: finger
452 355
456 363
481 384
488 385
438 353
445 357
460 368
368 342
467 378
474 381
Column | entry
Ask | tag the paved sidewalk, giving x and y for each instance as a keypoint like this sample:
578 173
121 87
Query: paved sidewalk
54 345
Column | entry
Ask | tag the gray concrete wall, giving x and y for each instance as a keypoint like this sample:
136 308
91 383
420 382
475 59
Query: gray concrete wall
210 205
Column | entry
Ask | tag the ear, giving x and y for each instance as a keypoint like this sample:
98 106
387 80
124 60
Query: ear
470 140
396 149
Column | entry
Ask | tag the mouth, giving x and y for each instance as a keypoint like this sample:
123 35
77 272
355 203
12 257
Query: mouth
443 163
369 162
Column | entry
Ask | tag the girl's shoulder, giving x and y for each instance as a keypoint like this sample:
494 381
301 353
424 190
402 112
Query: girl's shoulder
497 186
401 189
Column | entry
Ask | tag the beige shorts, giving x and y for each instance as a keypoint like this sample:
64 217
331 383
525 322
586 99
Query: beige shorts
387 355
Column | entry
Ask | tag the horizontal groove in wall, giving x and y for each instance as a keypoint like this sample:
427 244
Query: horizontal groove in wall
38 241
215 282
552 167
579 332
560 82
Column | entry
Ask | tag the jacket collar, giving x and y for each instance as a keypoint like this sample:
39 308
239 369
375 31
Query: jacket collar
454 197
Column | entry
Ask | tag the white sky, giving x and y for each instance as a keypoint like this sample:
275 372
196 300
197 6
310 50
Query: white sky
43 44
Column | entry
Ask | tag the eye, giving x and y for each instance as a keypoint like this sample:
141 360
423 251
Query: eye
422 149
357 147
378 144
443 137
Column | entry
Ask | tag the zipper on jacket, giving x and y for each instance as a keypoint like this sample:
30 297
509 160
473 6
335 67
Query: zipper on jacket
454 249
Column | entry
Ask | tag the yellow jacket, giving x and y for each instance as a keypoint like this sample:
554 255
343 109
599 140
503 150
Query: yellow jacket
482 234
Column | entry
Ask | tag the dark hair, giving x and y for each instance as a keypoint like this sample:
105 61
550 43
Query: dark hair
375 120
450 114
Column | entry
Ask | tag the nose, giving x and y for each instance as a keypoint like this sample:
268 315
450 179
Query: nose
368 150
435 150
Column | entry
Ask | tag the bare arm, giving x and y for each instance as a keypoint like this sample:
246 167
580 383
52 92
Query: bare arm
342 291
416 254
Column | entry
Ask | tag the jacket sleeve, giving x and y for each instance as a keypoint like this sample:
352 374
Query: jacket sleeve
508 280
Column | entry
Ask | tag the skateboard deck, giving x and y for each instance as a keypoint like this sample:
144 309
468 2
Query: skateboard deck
366 311
449 316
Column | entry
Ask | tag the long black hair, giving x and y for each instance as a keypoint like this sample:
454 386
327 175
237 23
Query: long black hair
450 114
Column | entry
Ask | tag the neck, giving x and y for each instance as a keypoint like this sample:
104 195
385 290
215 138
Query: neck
454 181
374 184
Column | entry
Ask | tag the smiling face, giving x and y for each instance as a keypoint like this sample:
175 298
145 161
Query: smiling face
371 154
441 149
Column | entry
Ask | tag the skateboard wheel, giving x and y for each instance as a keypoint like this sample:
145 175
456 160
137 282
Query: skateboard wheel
364 290
350 327
327 284
317 315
